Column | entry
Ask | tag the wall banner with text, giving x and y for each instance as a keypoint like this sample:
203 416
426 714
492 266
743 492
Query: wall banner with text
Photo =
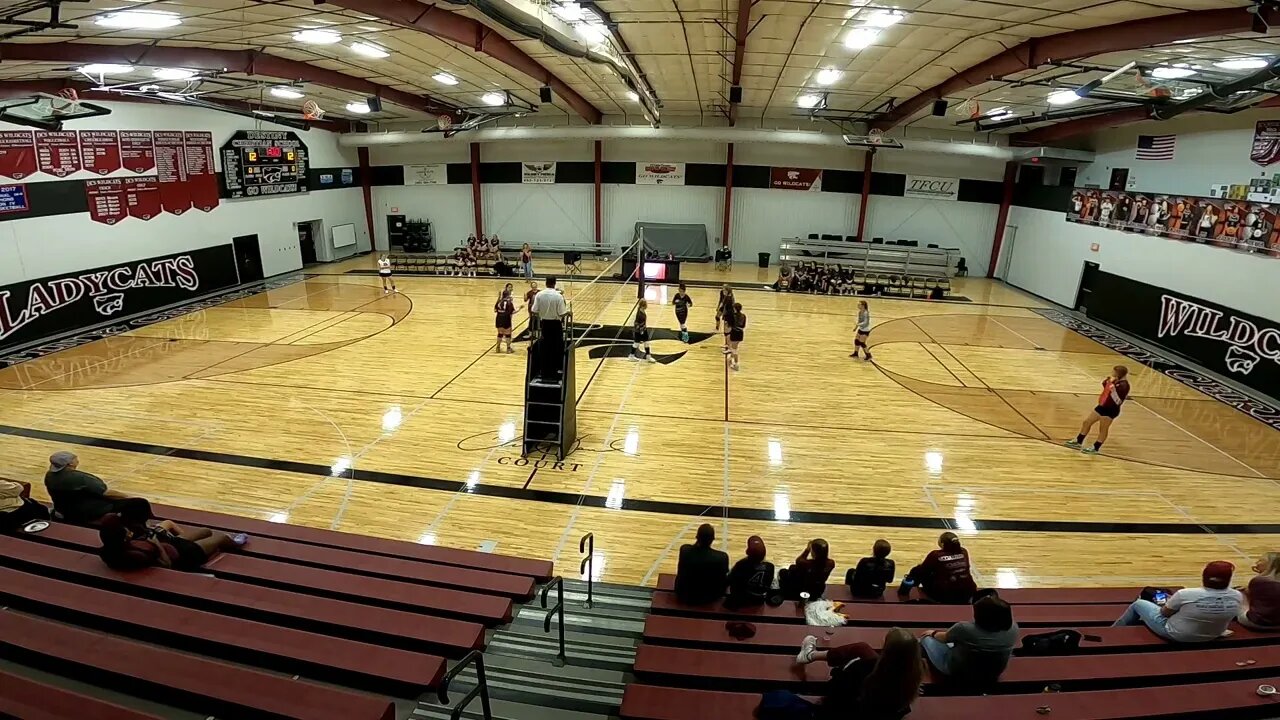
660 173
795 179
537 173
435 174
928 187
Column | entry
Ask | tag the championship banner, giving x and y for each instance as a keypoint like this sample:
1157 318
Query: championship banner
17 153
543 173
171 169
13 198
1243 347
659 173
137 151
1235 224
436 174
38 309
58 152
106 200
100 151
795 179
927 187
202 179
1266 142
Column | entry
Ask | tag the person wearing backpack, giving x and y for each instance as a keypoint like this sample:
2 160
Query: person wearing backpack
872 574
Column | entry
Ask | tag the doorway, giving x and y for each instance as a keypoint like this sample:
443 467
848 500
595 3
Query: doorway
309 232
1119 179
1087 278
248 258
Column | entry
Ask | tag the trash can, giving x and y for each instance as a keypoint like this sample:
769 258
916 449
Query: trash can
764 260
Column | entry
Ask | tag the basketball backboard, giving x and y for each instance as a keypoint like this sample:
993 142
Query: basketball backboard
47 112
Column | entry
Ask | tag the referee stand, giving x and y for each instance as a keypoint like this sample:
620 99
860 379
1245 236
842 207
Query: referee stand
550 406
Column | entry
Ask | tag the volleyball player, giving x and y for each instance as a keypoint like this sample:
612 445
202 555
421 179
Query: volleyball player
682 302
528 302
724 315
503 310
384 272
1115 390
863 332
738 321
640 338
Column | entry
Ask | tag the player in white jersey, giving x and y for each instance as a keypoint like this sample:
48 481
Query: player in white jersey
384 272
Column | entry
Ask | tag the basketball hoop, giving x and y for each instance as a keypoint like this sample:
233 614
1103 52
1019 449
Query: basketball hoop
444 122
66 102
311 110
875 136
970 108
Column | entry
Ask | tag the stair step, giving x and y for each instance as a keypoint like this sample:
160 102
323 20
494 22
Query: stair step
505 710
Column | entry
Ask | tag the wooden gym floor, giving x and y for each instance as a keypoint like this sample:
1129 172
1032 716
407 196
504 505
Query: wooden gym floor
328 403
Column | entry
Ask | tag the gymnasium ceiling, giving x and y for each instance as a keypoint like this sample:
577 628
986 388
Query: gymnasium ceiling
678 54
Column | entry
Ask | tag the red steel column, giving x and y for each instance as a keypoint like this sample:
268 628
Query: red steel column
477 201
366 183
599 154
728 195
866 192
1010 173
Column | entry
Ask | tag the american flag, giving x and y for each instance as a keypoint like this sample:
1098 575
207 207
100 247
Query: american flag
1156 147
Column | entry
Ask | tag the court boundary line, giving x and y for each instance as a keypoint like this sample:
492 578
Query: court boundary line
1224 453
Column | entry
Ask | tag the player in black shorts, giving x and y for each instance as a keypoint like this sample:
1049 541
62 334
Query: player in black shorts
1115 390
724 315
739 322
641 336
682 302
502 311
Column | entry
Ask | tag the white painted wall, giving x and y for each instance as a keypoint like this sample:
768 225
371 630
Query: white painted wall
448 207
965 225
39 247
625 205
762 217
1049 253
560 214
1210 149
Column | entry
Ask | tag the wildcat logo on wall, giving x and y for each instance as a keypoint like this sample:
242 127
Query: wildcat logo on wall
614 341
1246 342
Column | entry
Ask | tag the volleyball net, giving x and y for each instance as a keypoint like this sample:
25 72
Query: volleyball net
603 306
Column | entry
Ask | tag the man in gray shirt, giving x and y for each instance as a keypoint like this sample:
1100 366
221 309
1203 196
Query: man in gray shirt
550 308
79 497
977 651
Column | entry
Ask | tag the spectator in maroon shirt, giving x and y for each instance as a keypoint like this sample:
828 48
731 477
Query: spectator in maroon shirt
809 573
1261 611
866 684
944 575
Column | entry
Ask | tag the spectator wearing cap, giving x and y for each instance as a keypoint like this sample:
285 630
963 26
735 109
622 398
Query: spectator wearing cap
80 497
751 577
1192 614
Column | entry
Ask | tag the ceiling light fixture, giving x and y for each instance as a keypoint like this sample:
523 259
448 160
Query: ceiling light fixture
444 78
1243 64
173 74
357 107
826 76
317 37
809 101
494 99
885 18
1164 72
860 37
568 11
1063 97
633 96
139 20
105 69
590 32
287 93
370 51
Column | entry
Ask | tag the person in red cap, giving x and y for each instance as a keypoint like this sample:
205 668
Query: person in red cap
751 577
1192 614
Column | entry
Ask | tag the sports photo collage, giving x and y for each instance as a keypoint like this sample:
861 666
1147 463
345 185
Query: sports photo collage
1237 224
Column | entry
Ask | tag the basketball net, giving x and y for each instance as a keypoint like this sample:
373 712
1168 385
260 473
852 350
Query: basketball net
311 110
444 122
66 103
875 136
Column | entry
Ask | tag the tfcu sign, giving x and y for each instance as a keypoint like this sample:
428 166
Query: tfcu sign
1246 343
932 188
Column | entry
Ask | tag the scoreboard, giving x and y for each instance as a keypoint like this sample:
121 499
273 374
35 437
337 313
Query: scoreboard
258 163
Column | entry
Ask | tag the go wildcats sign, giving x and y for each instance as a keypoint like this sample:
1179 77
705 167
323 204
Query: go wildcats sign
39 309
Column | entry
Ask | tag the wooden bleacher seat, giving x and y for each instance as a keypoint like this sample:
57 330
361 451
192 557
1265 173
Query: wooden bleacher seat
539 570
1013 596
27 699
292 652
194 683
1211 701
355 621
906 615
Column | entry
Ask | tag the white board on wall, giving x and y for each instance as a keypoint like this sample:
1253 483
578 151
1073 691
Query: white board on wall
344 236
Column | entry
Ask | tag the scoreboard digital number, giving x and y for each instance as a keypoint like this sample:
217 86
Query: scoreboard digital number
260 163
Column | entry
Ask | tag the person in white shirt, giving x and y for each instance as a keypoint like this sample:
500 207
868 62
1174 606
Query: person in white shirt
549 307
384 272
1191 614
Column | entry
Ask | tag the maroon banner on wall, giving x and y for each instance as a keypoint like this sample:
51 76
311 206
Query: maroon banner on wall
17 153
795 178
202 180
106 200
137 151
57 152
171 168
100 151
142 197
1266 142
1223 222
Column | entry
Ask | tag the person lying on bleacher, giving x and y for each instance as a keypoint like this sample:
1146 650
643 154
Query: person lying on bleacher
864 684
1191 614
809 573
16 506
975 652
129 543
751 577
703 571
1261 610
944 576
81 498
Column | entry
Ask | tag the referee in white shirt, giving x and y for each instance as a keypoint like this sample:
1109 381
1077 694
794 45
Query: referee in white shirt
549 307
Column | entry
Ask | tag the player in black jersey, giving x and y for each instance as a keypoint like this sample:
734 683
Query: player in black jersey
682 302
738 323
503 310
641 336
724 314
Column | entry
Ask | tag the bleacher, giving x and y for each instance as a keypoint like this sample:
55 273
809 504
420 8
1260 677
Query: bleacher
304 623
873 258
689 666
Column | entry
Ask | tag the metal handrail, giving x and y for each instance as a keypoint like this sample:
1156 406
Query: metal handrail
481 688
558 583
588 567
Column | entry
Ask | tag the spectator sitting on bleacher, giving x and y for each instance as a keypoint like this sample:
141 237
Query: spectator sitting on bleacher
975 652
16 507
783 283
1191 614
1261 610
751 577
703 571
864 684
944 576
82 498
128 543
872 574
809 573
